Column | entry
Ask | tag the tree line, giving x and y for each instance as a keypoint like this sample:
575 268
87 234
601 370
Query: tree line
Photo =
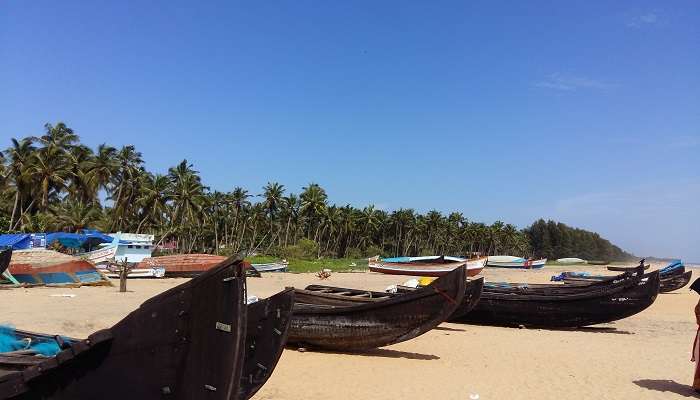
554 240
52 182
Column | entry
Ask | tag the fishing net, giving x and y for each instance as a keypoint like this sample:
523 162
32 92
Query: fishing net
10 340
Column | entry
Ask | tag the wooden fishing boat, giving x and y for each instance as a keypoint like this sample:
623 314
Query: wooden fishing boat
186 343
5 257
268 322
669 280
40 267
338 296
625 269
425 266
271 267
514 262
368 325
565 306
675 281
182 265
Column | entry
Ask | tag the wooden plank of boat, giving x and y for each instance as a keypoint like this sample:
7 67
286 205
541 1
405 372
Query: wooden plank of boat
266 334
186 343
369 325
565 306
669 281
5 257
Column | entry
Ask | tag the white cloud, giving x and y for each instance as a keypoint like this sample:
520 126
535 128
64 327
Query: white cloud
639 21
569 82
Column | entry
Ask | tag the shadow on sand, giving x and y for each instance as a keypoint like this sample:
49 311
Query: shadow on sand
387 353
444 328
600 329
667 385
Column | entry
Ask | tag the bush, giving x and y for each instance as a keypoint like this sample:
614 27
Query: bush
354 252
305 249
372 251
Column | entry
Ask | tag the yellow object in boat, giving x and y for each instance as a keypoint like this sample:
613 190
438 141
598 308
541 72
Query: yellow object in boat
425 280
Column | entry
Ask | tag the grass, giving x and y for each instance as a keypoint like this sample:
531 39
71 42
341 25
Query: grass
299 265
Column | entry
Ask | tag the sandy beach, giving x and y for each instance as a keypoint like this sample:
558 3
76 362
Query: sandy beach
646 356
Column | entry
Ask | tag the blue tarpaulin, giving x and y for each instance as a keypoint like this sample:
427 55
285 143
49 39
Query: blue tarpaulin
18 241
77 240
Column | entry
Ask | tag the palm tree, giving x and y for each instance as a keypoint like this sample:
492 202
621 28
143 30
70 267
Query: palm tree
49 167
19 156
273 194
73 216
313 202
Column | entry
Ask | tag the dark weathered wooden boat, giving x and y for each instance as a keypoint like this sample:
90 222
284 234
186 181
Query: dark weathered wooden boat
354 326
266 334
565 306
669 280
625 269
186 343
5 257
675 281
340 296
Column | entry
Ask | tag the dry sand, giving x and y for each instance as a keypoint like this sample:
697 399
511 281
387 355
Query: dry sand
642 357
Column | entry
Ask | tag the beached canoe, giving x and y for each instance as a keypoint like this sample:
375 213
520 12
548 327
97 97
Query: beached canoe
41 267
626 269
670 279
426 266
565 306
369 325
571 260
514 262
341 296
182 265
271 267
186 343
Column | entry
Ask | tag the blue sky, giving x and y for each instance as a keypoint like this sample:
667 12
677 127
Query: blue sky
584 112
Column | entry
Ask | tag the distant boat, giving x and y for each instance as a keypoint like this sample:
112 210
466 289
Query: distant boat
425 265
182 265
571 260
514 262
39 267
271 267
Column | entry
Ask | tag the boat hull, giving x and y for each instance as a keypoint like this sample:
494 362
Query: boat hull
375 324
69 273
535 264
675 281
186 343
266 335
182 265
574 306
474 267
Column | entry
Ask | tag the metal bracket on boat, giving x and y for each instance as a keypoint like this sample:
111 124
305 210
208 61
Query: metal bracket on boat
223 327
229 279
165 390
210 387
277 331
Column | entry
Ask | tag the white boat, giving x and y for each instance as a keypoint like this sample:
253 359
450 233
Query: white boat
571 260
271 267
130 247
425 265
514 262
153 272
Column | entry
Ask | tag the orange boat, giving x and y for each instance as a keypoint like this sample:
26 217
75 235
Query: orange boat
38 267
182 265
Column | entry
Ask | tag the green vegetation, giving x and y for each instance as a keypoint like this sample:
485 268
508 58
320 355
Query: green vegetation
555 240
53 182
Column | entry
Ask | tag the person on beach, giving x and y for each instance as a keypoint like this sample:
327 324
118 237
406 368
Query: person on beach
696 344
